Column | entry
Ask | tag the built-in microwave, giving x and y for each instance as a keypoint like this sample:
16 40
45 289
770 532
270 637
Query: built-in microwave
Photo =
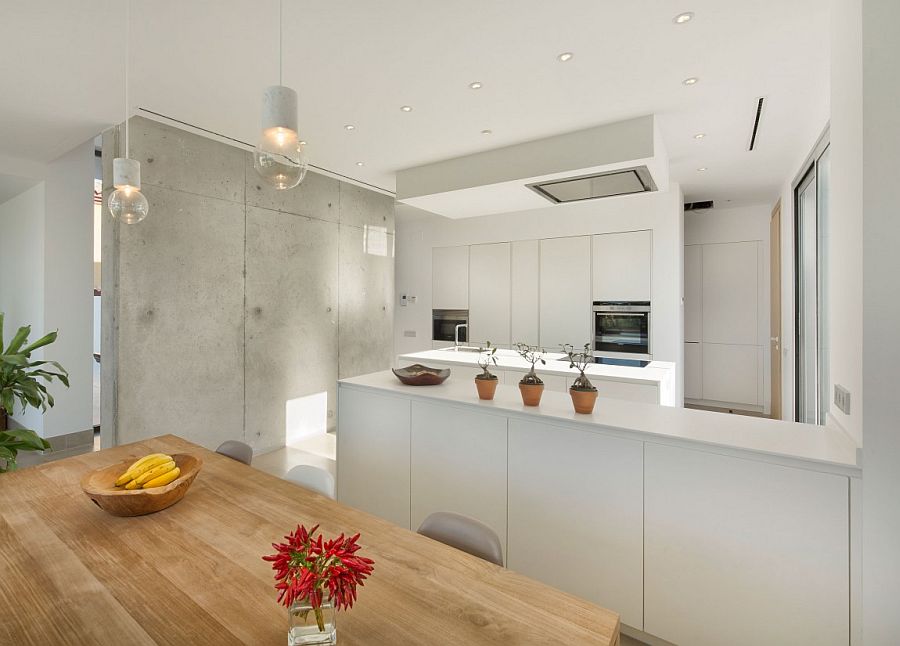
622 329
444 325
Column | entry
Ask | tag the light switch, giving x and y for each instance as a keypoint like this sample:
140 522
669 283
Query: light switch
403 300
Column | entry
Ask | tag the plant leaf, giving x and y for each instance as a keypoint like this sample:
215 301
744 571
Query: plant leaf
47 339
17 341
28 439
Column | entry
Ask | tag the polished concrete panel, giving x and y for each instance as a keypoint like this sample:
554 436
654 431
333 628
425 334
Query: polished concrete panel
181 320
292 318
366 301
317 196
361 207
177 159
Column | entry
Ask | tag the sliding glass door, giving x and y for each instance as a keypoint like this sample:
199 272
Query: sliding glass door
811 231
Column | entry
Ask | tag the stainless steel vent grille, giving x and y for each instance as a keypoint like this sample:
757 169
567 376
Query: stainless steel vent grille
623 181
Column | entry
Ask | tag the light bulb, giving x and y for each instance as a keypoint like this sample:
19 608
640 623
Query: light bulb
280 156
127 203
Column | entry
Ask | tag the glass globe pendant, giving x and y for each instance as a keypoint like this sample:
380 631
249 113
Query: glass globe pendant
280 157
127 203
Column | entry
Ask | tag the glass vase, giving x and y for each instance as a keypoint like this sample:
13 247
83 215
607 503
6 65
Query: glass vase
308 625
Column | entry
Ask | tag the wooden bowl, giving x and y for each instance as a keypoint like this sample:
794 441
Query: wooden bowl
100 486
419 375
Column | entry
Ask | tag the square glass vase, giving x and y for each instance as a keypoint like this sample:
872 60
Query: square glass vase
308 625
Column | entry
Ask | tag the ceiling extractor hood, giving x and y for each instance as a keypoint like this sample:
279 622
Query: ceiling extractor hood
626 181
612 160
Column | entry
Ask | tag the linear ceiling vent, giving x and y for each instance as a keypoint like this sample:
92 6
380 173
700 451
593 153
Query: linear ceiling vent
624 181
760 104
698 206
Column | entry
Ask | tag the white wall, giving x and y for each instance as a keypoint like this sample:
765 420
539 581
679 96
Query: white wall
68 286
740 224
418 232
22 275
881 314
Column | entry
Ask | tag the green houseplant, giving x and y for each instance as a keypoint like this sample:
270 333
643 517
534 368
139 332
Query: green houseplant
531 386
486 382
583 392
24 381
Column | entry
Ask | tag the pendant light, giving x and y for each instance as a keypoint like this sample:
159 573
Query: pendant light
127 203
280 156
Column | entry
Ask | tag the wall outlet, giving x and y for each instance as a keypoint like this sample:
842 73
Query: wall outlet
842 398
412 300
409 333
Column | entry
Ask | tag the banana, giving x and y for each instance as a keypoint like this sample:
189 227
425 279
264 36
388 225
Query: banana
148 463
164 479
155 472
145 459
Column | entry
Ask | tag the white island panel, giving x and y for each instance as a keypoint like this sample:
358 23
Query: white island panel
575 514
762 549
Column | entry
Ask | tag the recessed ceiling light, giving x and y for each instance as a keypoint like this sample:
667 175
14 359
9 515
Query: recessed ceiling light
691 80
700 135
682 18
349 126
565 56
487 132
476 85
360 163
702 169
406 108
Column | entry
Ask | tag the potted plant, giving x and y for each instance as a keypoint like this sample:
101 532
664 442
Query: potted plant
531 385
24 381
582 391
486 382
314 578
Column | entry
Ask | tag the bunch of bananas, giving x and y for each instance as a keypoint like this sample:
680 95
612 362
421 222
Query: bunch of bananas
154 470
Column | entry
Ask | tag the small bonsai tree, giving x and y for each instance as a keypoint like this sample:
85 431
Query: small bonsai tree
486 357
580 360
532 354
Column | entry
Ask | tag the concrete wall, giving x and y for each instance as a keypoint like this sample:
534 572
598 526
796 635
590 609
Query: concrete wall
232 299
880 130
22 276
418 232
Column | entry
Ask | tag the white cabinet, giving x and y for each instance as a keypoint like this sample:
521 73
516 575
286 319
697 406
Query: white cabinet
458 464
612 389
553 383
524 280
565 292
732 373
742 552
693 292
373 454
693 371
731 293
621 266
489 294
450 278
575 513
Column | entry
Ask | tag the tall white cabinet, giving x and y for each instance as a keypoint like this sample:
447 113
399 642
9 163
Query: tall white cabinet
489 296
621 266
565 291
450 278
524 294
724 355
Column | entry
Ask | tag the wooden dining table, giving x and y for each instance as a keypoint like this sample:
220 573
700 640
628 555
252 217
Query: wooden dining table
193 573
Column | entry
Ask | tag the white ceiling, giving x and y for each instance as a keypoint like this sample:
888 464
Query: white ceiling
352 61
10 186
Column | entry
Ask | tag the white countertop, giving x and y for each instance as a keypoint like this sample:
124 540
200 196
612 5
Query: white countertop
654 373
791 443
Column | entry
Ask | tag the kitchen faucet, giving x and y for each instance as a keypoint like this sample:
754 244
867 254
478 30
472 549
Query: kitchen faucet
456 333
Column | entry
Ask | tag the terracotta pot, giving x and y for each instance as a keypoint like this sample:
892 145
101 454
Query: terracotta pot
583 400
486 387
531 393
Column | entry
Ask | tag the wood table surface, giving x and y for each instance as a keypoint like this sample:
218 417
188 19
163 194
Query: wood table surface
193 574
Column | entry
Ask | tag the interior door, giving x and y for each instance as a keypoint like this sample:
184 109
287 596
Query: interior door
775 308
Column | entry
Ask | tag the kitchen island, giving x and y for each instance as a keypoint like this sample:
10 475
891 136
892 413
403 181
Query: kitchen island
653 383
694 526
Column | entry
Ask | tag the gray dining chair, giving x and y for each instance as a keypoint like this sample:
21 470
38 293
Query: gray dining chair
464 533
236 451
313 478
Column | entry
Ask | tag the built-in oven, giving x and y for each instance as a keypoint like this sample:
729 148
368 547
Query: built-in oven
622 329
444 324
